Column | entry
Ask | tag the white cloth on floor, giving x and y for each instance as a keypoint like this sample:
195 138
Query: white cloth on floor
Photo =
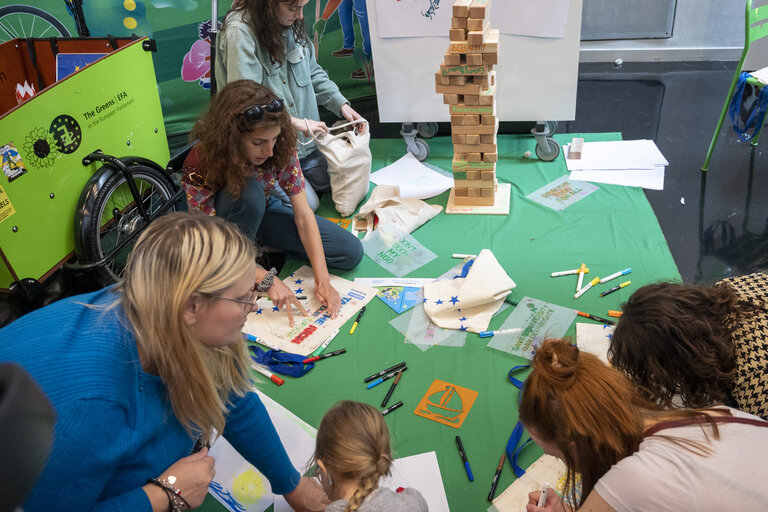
390 208
469 303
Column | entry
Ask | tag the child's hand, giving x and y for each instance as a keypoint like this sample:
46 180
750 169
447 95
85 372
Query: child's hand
307 496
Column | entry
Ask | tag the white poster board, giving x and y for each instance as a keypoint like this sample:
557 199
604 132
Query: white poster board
536 77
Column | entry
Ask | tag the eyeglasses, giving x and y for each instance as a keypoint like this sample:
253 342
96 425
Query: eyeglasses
248 303
256 113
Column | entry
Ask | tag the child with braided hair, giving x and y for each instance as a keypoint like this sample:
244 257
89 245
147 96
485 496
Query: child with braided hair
352 454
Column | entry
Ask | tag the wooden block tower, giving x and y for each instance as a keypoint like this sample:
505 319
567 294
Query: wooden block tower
467 81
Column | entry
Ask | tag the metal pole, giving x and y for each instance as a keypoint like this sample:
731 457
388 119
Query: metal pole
214 30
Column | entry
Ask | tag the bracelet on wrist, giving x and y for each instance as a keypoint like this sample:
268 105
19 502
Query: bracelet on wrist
266 283
175 501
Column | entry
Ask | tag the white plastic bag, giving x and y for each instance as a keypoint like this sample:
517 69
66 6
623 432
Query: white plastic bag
349 164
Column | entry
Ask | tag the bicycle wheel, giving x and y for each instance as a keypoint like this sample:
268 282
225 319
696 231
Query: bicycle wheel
26 21
115 216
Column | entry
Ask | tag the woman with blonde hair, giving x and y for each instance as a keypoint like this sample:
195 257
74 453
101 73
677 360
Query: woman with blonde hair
139 371
352 453
632 455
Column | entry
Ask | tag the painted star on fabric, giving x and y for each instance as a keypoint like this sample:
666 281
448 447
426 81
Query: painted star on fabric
463 328
454 300
299 281
463 319
291 274
299 291
275 308
438 302
425 301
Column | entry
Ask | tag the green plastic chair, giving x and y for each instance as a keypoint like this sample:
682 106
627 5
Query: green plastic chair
756 27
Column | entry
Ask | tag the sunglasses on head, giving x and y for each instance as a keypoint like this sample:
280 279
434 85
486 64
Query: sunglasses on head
256 113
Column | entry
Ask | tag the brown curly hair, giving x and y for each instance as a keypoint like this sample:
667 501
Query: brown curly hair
353 444
674 339
262 19
221 128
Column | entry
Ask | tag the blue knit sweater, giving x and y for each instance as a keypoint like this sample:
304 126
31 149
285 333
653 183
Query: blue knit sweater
115 427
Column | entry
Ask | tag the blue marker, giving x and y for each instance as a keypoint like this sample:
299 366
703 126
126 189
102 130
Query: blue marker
489 334
387 376
617 274
464 458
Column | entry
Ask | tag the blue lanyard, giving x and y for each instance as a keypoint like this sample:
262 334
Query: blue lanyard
513 450
756 117
281 362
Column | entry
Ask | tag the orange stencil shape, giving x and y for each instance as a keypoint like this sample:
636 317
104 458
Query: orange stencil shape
446 403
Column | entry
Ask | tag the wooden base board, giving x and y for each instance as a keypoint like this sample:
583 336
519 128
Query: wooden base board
500 206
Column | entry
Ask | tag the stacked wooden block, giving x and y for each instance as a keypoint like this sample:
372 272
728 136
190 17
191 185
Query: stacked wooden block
467 81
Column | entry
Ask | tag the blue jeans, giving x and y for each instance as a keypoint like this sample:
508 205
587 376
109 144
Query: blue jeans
271 223
348 27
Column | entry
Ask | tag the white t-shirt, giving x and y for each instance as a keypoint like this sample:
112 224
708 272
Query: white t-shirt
663 476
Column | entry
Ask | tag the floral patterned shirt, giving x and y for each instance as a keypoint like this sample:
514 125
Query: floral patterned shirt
201 197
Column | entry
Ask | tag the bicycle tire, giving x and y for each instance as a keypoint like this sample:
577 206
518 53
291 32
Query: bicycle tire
114 215
10 10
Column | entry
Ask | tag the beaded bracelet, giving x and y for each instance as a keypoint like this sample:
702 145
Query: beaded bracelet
266 283
175 501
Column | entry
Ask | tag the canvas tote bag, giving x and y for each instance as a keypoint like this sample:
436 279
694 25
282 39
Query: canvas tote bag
349 163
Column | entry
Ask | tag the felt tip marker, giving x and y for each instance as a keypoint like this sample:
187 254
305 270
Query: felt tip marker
496 476
568 272
614 314
301 297
543 496
357 320
391 408
274 378
319 350
464 458
615 288
388 376
463 256
617 274
582 271
384 372
489 334
596 318
391 389
586 287
324 356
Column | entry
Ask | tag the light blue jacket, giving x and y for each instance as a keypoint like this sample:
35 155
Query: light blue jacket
300 81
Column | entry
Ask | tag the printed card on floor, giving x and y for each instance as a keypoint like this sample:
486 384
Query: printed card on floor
269 325
562 193
446 403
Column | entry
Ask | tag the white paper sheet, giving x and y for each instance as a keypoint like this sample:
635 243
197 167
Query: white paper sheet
652 178
423 474
616 154
414 178
594 339
535 18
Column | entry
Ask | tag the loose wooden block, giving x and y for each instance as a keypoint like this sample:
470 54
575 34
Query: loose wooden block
473 175
450 99
458 89
475 59
487 119
487 139
479 8
474 37
472 99
442 79
457 79
452 59
487 192
475 148
462 108
457 34
461 192
482 81
471 157
459 163
490 45
478 129
460 182
458 138
577 146
458 22
475 23
464 69
465 120
470 138
490 59
488 175
474 192
490 156
461 8
485 96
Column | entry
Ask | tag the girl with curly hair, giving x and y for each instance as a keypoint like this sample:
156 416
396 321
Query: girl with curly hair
247 146
352 453
265 41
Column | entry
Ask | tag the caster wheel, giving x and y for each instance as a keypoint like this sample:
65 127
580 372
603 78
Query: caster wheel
550 152
427 130
420 149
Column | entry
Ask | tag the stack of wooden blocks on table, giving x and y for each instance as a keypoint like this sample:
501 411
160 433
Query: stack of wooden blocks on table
467 81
